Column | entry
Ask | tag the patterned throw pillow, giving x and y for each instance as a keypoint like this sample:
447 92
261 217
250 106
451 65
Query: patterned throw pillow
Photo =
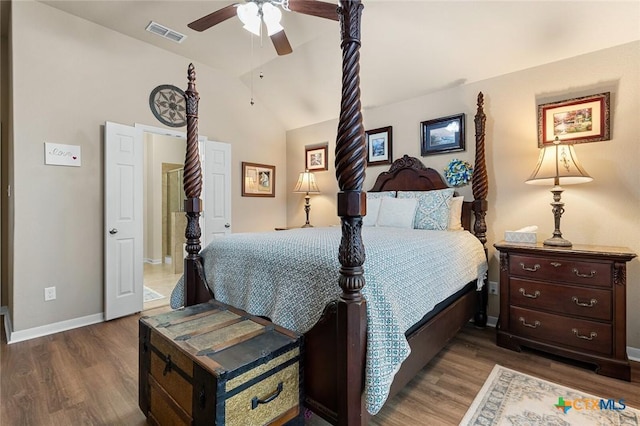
383 194
433 208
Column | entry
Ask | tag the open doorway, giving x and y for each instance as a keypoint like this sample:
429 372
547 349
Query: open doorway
164 217
134 216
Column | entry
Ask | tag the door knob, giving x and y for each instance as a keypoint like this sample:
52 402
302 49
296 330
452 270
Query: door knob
227 225
113 231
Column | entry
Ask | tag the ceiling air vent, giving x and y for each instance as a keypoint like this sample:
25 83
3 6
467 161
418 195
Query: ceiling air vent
165 32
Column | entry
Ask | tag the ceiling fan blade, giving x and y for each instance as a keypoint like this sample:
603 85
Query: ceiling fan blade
315 8
214 18
281 43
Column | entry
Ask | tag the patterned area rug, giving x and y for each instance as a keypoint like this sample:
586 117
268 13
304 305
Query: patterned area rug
150 295
509 397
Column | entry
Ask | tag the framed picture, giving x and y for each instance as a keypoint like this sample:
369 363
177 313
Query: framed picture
379 146
258 180
316 158
577 120
442 135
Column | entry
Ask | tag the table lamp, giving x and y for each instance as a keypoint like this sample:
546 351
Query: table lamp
558 165
307 185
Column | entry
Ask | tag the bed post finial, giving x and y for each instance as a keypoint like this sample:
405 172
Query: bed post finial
192 183
350 172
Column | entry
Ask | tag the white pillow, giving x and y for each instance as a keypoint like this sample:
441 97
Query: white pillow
373 207
397 213
433 208
455 214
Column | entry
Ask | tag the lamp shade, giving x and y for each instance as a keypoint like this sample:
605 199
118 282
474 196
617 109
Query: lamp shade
306 183
558 165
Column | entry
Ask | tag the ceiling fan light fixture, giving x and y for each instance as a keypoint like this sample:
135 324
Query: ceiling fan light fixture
271 16
248 13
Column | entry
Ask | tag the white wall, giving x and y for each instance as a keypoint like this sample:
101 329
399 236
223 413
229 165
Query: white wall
603 212
70 76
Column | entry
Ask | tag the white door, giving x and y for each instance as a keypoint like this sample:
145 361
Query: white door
123 165
216 190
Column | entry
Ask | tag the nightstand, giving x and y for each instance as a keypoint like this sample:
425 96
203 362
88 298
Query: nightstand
568 301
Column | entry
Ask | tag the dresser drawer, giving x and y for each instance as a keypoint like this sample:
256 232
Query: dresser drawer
569 271
564 299
587 335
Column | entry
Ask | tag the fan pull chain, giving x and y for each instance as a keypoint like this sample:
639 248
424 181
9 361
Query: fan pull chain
251 65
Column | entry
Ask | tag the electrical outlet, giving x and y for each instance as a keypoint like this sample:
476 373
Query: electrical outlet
49 293
494 288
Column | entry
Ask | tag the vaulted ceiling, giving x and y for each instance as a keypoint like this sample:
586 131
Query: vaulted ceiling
409 48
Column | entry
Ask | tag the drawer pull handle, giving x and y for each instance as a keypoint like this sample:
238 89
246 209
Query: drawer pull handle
526 268
580 336
556 264
535 294
255 401
589 304
535 324
589 275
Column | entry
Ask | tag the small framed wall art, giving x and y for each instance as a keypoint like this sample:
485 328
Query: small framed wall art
379 146
258 180
442 135
577 120
316 158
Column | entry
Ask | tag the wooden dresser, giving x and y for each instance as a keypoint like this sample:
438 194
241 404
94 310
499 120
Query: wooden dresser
216 365
566 301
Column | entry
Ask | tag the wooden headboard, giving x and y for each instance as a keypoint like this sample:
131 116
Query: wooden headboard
409 174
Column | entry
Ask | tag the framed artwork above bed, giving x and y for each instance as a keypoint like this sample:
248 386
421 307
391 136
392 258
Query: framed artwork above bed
442 135
379 146
258 180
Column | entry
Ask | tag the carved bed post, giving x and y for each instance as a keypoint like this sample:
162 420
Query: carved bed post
192 182
350 172
480 185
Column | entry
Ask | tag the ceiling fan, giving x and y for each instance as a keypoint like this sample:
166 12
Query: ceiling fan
253 13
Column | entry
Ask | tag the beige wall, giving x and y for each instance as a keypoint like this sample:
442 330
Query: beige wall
70 76
603 212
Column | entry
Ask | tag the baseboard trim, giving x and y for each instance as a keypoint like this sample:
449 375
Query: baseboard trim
57 327
153 261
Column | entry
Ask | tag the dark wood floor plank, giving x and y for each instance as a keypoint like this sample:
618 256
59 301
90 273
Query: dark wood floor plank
90 376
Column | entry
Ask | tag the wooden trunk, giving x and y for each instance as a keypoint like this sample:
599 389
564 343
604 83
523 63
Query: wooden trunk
217 365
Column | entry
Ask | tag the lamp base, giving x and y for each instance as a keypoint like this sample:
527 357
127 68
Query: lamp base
557 242
307 225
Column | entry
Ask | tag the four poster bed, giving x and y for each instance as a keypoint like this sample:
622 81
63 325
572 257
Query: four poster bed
336 372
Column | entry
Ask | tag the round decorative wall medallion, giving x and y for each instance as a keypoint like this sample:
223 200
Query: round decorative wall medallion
168 105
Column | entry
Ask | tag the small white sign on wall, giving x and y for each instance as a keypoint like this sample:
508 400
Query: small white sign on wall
57 154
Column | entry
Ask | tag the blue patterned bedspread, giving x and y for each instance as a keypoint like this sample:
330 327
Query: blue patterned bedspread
289 276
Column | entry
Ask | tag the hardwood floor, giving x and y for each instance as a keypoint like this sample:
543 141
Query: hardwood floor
90 376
